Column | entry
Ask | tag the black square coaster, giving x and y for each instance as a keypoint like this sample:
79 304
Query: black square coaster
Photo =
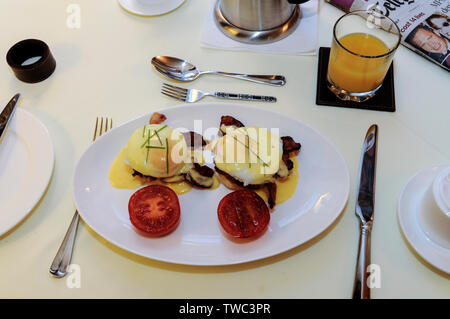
384 99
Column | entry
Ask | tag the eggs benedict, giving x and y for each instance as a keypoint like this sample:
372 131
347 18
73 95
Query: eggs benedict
159 153
252 157
157 150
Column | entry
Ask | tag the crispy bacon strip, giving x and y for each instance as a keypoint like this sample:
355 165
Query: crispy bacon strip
194 140
287 161
204 170
272 194
157 118
228 120
200 176
144 178
289 145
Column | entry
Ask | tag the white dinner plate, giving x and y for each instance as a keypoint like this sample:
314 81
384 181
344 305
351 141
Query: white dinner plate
26 166
321 194
150 8
409 206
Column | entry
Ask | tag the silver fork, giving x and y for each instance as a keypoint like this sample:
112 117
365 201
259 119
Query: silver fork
193 95
64 254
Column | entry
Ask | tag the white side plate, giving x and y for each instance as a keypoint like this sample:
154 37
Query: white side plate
321 194
409 204
26 166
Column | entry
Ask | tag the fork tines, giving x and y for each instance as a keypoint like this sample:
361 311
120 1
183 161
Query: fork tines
174 92
104 127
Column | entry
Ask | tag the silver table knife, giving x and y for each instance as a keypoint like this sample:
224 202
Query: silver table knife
364 210
8 113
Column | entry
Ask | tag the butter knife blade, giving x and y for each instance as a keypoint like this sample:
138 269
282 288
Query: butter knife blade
367 168
7 114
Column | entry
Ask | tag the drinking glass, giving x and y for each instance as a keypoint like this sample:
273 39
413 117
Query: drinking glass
364 43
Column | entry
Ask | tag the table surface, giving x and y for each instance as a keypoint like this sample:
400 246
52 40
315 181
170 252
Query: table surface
103 69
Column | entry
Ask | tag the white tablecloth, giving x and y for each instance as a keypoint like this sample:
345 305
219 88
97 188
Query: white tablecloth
103 68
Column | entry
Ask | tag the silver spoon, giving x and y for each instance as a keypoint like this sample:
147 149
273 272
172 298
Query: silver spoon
174 75
184 71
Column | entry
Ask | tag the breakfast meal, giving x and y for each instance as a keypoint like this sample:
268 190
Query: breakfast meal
257 164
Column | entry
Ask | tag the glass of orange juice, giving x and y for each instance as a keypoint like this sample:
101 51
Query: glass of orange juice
364 43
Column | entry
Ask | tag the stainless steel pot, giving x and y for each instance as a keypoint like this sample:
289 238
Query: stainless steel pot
257 21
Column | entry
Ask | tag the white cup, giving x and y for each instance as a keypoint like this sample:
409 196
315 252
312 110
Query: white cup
434 216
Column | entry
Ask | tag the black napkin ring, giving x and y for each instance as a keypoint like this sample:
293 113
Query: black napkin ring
34 72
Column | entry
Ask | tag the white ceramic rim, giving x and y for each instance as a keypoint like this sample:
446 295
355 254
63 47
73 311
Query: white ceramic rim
437 194
151 10
43 173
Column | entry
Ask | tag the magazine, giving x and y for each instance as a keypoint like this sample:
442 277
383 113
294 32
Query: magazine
424 24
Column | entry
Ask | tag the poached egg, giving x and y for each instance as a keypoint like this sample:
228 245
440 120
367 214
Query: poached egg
252 155
157 150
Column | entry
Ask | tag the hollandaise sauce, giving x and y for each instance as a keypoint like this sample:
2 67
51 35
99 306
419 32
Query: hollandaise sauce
121 176
178 187
285 188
